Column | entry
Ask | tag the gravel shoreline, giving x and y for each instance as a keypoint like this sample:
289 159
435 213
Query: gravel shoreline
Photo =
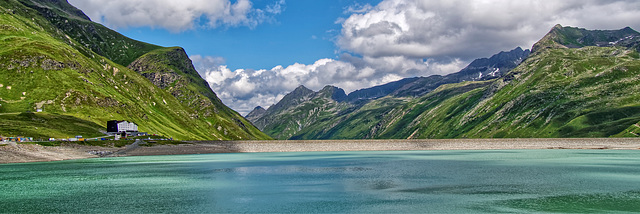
13 153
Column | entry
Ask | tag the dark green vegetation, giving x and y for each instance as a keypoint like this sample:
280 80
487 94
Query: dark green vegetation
576 83
96 37
54 59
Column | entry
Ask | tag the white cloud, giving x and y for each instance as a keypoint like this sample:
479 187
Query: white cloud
244 89
276 8
471 29
357 8
174 15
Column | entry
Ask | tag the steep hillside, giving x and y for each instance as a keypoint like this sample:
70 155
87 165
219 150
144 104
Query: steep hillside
171 70
256 113
585 91
44 68
300 109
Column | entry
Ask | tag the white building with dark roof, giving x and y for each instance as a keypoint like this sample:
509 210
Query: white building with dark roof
121 126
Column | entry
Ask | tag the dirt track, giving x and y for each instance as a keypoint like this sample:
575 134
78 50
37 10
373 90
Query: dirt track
12 153
33 153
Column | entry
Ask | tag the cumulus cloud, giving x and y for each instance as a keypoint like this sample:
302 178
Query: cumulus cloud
472 29
176 16
244 89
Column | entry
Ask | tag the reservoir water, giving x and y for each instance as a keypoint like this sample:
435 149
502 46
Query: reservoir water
331 182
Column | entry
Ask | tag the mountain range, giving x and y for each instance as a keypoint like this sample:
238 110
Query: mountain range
65 75
77 74
574 83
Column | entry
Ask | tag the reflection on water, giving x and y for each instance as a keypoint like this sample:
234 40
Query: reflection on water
380 182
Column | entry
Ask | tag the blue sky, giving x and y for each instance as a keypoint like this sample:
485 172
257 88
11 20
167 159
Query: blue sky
303 33
254 52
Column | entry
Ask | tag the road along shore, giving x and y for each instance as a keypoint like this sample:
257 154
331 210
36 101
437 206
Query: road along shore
13 153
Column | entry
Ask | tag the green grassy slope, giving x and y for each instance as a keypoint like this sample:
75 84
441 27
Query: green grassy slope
392 117
632 131
587 92
171 70
42 67
359 123
316 109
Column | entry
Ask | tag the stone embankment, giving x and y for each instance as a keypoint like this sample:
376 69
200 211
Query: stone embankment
196 147
31 153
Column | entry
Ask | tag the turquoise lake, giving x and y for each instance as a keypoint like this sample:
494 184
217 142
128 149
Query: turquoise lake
487 181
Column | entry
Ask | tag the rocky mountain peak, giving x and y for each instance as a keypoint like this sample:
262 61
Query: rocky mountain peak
333 92
256 113
166 60
572 37
297 96
490 68
172 68
501 59
378 91
301 90
57 6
